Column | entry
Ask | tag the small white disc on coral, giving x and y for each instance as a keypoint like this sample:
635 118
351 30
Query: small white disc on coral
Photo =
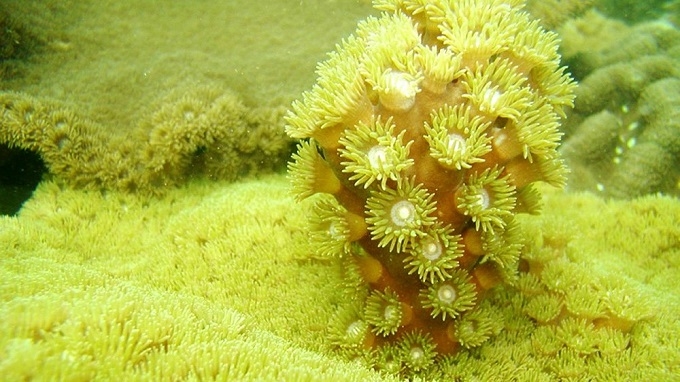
399 93
447 294
403 213
432 250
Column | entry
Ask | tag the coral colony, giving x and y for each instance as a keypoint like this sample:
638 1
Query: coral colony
422 139
203 130
622 140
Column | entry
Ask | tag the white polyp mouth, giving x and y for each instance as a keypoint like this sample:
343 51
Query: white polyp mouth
403 213
334 231
447 294
483 199
492 96
432 249
189 115
377 157
417 353
399 92
477 39
355 329
456 143
390 313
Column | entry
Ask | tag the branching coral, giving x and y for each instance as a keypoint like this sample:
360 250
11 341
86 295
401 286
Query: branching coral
430 125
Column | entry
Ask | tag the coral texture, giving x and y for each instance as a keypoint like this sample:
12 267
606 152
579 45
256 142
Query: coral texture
622 139
673 12
552 13
203 283
590 288
425 136
204 131
115 70
221 286
632 11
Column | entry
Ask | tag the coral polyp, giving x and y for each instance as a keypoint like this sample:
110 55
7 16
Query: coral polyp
433 256
417 350
456 139
397 217
384 312
487 199
428 129
373 153
450 298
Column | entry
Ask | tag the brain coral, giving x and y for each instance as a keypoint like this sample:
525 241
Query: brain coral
622 138
423 138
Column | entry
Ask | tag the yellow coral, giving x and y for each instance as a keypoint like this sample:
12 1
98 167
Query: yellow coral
219 278
204 131
432 123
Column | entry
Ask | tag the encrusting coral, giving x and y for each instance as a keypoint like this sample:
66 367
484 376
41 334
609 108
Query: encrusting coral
202 131
622 138
425 135
209 291
116 84
221 286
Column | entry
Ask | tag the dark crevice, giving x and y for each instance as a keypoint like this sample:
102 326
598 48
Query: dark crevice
20 172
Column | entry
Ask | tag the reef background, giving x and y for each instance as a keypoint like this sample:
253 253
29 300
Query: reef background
117 285
139 98
111 60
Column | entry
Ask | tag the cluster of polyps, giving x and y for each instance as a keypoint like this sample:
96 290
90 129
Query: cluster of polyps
423 149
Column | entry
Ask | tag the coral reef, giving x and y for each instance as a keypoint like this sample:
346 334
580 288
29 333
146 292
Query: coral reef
672 9
201 131
424 137
116 70
632 11
18 41
622 139
221 286
217 280
187 286
552 13
11 36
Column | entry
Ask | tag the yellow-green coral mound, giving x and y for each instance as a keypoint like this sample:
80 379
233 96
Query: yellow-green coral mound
201 131
211 282
189 286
